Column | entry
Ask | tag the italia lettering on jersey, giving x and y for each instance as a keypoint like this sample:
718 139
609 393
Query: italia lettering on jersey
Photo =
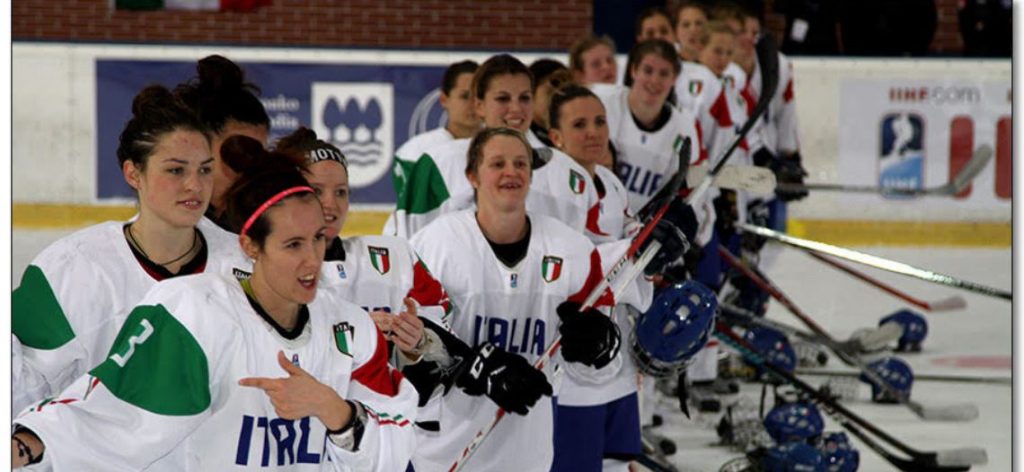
286 441
518 335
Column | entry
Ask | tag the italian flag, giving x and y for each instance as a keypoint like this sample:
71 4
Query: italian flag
195 5
551 268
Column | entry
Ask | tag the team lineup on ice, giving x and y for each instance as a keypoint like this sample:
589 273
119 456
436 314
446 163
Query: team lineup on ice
578 274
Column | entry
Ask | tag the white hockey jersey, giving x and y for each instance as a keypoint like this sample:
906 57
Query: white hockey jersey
514 308
75 295
379 272
405 161
167 397
436 184
777 128
647 160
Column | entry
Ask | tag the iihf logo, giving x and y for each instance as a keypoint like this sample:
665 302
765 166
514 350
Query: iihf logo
901 154
358 118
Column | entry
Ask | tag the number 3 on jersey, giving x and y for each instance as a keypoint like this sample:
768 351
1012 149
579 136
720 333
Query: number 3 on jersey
147 331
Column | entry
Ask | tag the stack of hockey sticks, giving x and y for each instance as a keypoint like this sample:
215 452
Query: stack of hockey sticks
930 461
768 58
875 261
961 412
969 171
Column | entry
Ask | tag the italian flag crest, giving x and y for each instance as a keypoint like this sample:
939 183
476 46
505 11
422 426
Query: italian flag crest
343 335
576 182
379 259
695 87
551 268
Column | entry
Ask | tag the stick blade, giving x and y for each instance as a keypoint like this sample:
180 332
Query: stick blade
749 178
875 339
955 302
961 412
960 457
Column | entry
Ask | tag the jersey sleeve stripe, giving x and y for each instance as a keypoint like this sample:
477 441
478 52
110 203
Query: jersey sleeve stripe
594 278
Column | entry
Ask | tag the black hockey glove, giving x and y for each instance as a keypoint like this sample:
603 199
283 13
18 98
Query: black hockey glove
440 369
674 231
787 169
507 379
758 214
590 338
726 213
680 272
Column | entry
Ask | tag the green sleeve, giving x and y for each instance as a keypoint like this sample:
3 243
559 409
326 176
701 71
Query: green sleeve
424 188
37 318
157 365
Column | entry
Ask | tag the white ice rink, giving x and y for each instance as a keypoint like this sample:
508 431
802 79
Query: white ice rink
975 341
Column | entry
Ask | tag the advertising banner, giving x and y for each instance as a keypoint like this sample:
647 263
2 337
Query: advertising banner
918 134
365 110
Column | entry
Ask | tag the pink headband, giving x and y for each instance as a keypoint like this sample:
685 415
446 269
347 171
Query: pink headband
270 202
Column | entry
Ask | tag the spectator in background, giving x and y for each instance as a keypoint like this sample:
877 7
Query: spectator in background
811 26
592 60
228 105
654 23
548 75
690 20
987 27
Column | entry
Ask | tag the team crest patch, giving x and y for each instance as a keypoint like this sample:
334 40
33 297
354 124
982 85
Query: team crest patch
379 259
344 333
576 182
551 268
695 87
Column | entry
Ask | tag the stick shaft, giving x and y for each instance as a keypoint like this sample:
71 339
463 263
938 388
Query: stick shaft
875 261
871 280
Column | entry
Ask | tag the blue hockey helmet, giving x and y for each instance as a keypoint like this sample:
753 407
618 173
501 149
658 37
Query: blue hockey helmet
915 329
897 375
839 453
798 421
793 456
774 346
676 326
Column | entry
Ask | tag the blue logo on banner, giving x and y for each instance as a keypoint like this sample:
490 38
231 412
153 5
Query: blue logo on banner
901 160
365 110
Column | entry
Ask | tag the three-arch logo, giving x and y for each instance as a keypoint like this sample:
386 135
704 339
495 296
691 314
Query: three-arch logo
358 118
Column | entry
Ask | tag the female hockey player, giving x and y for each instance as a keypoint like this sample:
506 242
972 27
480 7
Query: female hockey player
76 293
228 106
516 279
654 23
457 101
592 61
548 75
690 20
503 97
595 425
382 274
218 372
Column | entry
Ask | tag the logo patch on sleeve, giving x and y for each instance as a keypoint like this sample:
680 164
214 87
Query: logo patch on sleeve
695 87
576 182
344 334
551 268
379 259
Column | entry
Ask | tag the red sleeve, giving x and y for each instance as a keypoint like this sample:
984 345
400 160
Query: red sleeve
594 277
592 220
376 374
426 290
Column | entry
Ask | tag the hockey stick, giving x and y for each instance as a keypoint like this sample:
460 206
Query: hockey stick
967 174
875 261
961 412
765 52
877 339
960 459
750 178
955 302
991 380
